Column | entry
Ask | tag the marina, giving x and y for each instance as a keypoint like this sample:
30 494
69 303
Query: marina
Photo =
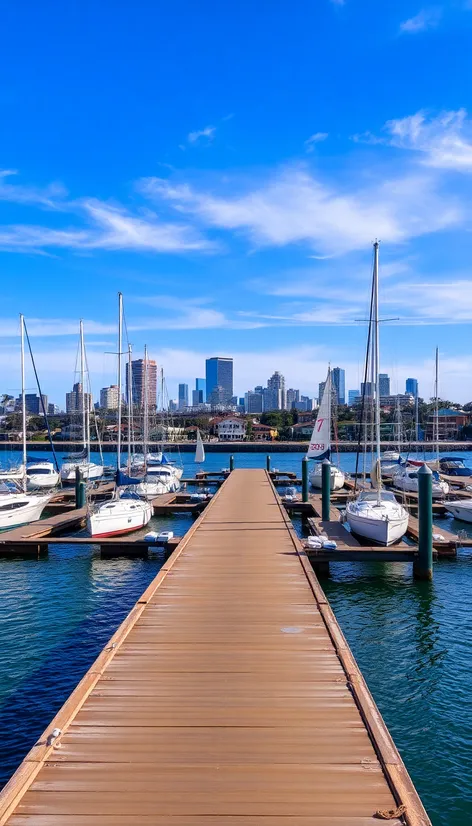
207 753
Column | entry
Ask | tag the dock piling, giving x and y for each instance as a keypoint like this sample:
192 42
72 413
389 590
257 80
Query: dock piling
231 463
305 479
325 490
268 464
80 489
423 567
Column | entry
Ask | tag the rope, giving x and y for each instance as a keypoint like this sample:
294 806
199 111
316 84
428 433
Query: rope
390 814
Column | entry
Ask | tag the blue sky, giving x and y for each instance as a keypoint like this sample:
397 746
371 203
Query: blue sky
227 167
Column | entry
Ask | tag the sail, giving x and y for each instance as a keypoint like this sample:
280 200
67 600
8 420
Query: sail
200 450
320 442
122 479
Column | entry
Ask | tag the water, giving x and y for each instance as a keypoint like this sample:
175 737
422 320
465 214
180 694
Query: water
413 642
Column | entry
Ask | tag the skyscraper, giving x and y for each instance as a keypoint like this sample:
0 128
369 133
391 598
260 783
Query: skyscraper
138 382
292 397
412 387
321 388
352 396
276 383
33 403
384 384
74 400
338 376
109 397
183 396
366 389
219 374
253 402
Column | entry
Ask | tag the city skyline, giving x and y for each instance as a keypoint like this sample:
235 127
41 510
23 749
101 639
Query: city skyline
233 228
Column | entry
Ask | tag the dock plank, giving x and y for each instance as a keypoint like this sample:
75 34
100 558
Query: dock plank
230 698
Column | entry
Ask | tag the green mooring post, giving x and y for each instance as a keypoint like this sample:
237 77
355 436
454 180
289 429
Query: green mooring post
79 489
423 567
305 479
231 462
268 463
325 489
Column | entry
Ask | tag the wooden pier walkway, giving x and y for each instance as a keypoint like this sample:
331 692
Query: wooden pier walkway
228 697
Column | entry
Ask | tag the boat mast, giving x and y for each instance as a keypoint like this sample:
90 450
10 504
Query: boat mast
120 336
23 396
130 410
376 363
82 385
146 407
436 405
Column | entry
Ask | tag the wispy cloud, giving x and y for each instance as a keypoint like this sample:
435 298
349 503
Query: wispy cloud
187 314
425 19
50 197
318 137
207 134
445 140
294 207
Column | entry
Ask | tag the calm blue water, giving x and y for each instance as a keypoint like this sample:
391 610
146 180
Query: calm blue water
413 642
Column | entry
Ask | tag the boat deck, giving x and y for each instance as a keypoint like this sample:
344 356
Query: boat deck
228 697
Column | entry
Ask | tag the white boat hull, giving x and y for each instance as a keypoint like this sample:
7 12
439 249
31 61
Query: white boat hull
153 488
119 517
41 475
90 471
459 510
337 477
410 485
13 513
382 524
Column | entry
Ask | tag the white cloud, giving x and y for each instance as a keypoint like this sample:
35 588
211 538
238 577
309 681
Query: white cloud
448 302
445 140
318 137
294 207
50 197
208 133
425 19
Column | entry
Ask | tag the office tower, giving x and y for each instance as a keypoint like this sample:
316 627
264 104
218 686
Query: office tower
74 400
276 384
53 409
253 402
33 403
183 396
219 395
384 384
109 397
138 382
308 402
292 397
412 387
219 373
199 394
338 378
352 396
366 389
321 388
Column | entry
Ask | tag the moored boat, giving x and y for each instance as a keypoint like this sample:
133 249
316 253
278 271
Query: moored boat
320 442
41 475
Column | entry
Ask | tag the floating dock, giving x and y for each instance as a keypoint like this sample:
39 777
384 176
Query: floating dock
228 697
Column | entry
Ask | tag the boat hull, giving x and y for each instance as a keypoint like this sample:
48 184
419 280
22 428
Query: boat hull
30 512
89 470
459 511
36 482
379 531
337 477
115 519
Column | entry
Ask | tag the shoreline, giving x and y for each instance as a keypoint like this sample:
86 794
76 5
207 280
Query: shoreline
236 447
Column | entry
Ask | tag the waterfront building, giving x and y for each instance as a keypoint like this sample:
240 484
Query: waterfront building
231 430
33 403
399 400
276 384
138 382
109 397
219 374
411 386
74 400
352 396
384 384
254 402
450 423
183 396
338 376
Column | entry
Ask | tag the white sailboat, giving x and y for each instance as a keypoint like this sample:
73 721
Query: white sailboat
41 474
17 507
90 470
320 442
199 450
375 514
406 479
126 512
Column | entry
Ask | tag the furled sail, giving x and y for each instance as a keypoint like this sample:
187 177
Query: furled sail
320 442
200 450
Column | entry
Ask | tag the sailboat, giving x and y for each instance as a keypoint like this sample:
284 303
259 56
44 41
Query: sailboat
17 507
126 512
375 514
320 442
199 450
90 470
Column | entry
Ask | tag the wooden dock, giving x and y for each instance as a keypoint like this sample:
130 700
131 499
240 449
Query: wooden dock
228 697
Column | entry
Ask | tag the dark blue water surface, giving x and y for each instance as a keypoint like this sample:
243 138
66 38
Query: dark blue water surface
413 642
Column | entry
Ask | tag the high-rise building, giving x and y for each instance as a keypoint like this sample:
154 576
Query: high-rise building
253 402
384 384
276 384
199 394
412 387
74 400
292 397
33 403
366 389
321 388
352 396
109 397
53 409
219 396
308 402
219 373
183 396
338 377
200 385
138 382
